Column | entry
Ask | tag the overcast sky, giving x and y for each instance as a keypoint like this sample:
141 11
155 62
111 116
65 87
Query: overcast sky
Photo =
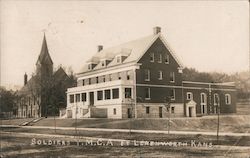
206 35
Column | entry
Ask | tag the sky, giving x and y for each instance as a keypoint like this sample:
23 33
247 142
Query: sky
206 35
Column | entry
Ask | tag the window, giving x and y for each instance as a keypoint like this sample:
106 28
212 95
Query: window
103 63
114 111
166 59
160 58
103 78
107 94
189 96
110 77
172 94
172 77
89 66
77 97
203 98
71 98
118 59
172 109
152 57
128 92
128 75
119 75
84 97
99 95
147 110
160 75
147 95
115 93
83 82
89 81
147 75
97 79
228 99
216 99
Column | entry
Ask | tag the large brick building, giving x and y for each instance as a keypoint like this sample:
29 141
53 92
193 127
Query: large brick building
143 78
44 92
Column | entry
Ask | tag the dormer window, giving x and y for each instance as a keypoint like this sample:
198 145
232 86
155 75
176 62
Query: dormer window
89 66
118 59
103 63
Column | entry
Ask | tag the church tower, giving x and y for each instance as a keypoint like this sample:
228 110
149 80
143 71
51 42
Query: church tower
44 64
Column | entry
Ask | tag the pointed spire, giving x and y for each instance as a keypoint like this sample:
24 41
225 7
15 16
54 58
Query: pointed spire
44 56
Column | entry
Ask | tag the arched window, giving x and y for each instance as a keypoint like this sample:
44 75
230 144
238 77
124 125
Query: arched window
203 103
227 99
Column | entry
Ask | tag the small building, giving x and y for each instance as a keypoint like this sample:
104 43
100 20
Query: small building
44 93
143 79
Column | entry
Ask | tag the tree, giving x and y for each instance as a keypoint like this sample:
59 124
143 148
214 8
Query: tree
7 100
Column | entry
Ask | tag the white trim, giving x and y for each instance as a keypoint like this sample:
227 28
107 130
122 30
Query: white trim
161 75
109 71
159 60
149 93
148 75
229 99
166 86
223 83
166 57
191 96
172 81
174 94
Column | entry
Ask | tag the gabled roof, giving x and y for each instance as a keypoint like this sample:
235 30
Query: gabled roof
60 74
134 50
44 57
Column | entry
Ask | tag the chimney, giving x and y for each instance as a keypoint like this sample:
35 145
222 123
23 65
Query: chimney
25 78
157 30
99 48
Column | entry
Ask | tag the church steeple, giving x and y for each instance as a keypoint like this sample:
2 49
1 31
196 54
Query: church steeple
44 57
44 64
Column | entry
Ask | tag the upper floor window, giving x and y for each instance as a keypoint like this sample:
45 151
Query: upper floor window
160 58
147 93
84 97
77 97
166 59
118 59
83 82
147 75
89 81
216 99
172 94
99 95
103 78
89 66
107 94
160 75
114 111
152 57
172 77
97 79
172 109
110 77
115 93
71 98
119 76
128 92
189 96
203 98
103 63
128 75
228 99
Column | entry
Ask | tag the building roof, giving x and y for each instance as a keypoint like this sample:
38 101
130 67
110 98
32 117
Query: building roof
44 57
133 50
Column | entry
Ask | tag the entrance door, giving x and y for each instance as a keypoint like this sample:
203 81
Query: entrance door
190 111
160 112
129 113
91 98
